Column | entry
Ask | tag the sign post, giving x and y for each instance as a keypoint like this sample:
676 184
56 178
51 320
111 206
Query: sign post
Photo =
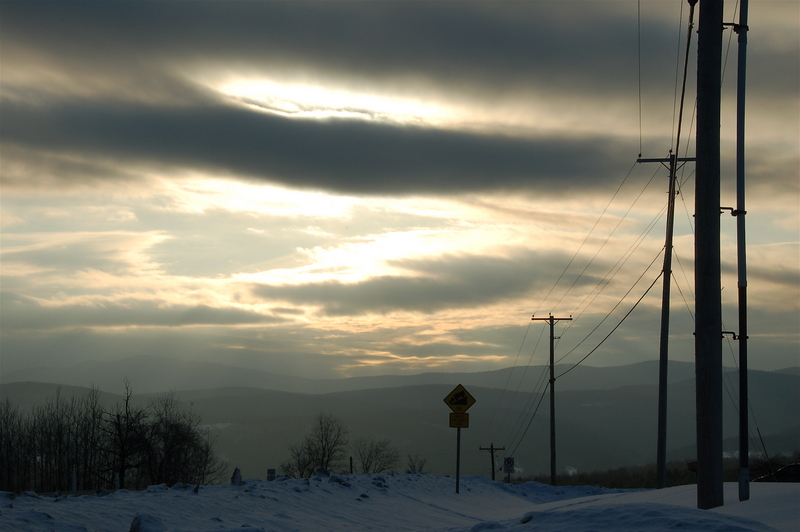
459 401
508 467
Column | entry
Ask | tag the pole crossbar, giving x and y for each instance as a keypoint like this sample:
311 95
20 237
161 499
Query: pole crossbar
666 160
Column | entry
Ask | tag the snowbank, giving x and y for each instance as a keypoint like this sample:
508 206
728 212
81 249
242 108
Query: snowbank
400 503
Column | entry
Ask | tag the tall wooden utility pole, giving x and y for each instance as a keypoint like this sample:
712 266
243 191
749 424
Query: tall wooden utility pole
491 450
708 304
552 321
663 359
671 163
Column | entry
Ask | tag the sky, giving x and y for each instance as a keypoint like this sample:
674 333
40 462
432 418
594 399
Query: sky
333 189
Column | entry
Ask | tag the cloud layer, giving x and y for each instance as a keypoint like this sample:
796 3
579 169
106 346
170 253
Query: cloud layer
368 187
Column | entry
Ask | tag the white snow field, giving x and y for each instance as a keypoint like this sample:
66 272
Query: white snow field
395 502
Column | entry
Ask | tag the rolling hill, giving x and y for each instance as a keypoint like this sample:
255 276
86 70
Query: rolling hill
606 417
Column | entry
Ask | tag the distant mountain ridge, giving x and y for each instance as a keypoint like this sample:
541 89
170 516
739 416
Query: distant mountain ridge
597 428
149 374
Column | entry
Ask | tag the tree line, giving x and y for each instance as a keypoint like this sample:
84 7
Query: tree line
326 447
678 473
78 444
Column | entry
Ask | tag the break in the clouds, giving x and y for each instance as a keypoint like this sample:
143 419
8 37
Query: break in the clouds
372 186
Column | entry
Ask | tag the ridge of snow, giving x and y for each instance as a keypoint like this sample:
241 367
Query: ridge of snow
408 502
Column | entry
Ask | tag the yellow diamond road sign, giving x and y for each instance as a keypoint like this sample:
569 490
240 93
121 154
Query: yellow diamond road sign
459 400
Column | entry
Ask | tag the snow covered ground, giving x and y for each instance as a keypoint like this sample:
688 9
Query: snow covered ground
395 502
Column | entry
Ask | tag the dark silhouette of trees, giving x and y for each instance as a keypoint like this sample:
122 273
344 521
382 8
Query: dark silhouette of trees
301 463
90 428
12 434
125 440
174 446
77 444
415 464
324 447
644 476
375 456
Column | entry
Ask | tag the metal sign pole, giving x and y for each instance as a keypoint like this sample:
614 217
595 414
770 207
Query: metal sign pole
459 401
458 456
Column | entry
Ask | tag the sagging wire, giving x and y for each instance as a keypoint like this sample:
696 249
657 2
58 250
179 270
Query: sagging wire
615 328
623 258
628 254
505 387
585 240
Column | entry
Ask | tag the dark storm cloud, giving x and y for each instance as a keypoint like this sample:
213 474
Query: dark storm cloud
489 45
348 155
136 55
450 282
139 48
481 47
22 313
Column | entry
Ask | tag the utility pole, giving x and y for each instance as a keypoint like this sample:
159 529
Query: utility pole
671 163
708 304
552 321
663 358
744 459
491 450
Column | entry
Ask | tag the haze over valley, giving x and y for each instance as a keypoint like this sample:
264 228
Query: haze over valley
606 417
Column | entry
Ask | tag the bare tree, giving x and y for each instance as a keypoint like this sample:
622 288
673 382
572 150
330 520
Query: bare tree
170 440
89 427
300 463
61 438
124 428
324 447
208 467
416 464
375 456
178 450
13 465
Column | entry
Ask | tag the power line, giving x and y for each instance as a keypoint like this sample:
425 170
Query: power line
541 398
608 314
519 385
591 261
586 239
510 373
614 329
529 406
639 67
677 67
623 258
678 286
